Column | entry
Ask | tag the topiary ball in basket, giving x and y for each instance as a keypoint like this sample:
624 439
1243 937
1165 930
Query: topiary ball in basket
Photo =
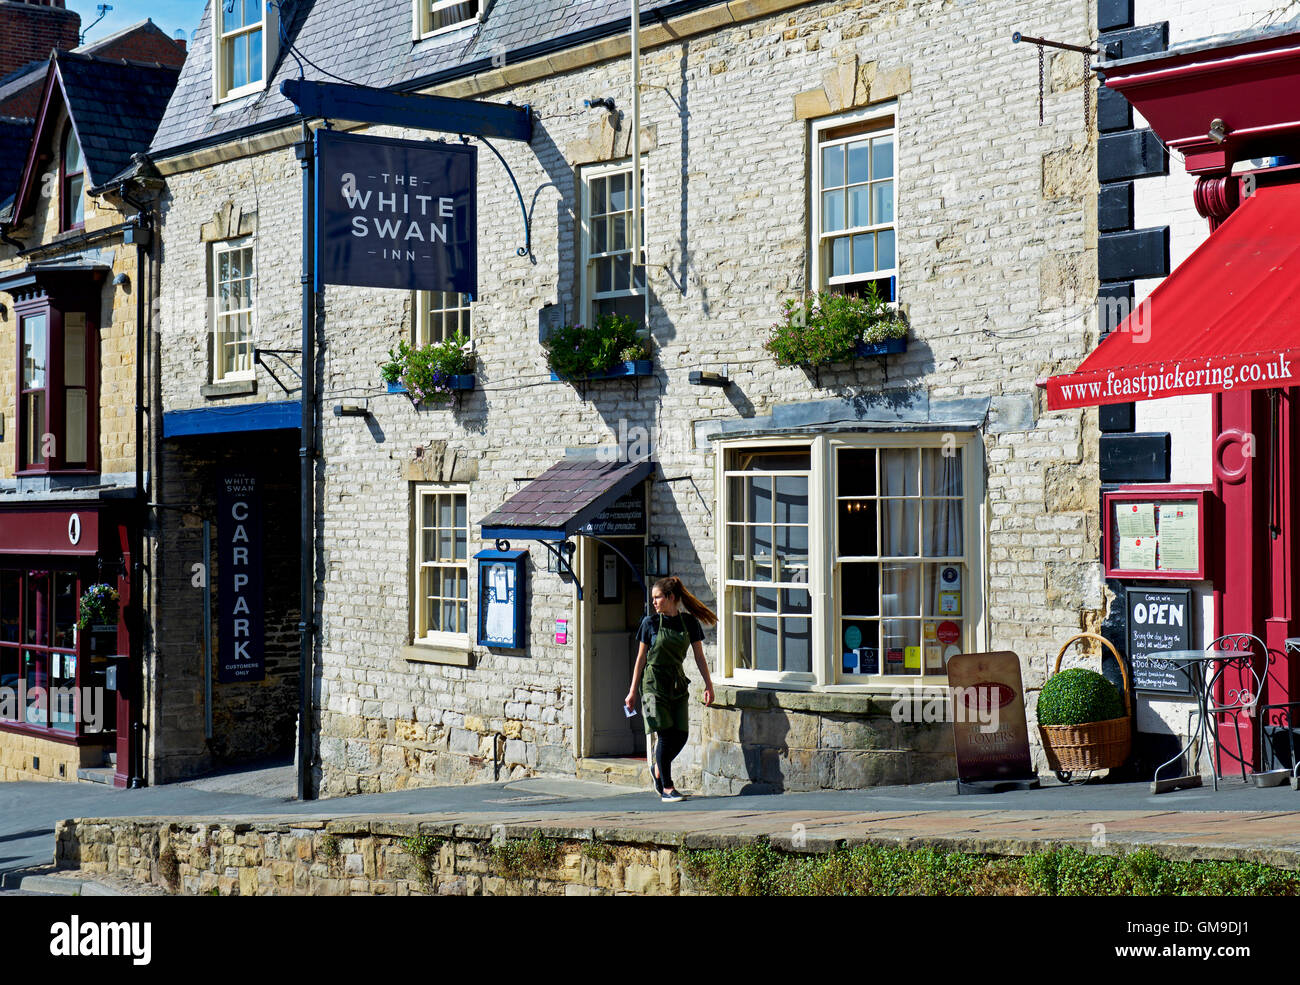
1078 696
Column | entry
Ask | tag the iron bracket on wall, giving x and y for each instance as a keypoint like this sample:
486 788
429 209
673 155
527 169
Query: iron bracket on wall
279 354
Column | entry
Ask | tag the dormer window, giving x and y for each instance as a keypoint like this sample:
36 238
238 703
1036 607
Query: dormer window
437 16
245 46
72 184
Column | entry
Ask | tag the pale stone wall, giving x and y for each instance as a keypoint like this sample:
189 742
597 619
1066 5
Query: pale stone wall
20 754
996 240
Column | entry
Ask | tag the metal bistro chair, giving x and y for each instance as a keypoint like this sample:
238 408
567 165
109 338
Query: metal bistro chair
1234 670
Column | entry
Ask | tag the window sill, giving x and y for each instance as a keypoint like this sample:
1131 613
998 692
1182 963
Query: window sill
453 656
229 388
827 699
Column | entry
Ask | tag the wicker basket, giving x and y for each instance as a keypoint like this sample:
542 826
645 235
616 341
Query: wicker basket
1092 745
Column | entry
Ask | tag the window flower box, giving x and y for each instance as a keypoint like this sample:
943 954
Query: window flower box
460 382
820 329
885 348
633 367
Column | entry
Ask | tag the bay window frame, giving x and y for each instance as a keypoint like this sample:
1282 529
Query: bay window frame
823 574
55 309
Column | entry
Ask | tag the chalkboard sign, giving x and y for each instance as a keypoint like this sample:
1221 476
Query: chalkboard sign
1159 620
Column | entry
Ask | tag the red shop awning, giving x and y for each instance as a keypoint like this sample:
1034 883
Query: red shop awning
1227 319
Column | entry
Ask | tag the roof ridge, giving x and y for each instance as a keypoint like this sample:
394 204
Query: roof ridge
104 60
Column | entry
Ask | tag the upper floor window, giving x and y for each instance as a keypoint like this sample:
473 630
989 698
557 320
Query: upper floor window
854 193
72 183
441 315
611 282
55 420
235 284
244 48
436 16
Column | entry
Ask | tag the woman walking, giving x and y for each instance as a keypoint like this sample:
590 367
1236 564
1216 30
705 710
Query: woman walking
665 638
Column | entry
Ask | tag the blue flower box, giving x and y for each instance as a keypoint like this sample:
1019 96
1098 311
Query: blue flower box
464 381
639 367
888 347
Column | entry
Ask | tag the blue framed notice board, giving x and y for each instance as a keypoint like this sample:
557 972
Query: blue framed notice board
502 579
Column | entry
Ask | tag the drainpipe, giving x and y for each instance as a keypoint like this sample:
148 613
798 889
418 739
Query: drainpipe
638 253
306 151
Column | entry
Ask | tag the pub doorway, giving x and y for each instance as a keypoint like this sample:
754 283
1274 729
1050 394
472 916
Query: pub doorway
615 602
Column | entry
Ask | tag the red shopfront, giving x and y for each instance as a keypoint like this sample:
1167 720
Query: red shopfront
1226 322
66 691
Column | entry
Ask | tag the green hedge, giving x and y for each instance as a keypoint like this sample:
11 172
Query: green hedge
1077 696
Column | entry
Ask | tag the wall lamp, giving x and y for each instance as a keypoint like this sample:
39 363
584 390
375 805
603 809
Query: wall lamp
122 280
700 378
1218 131
351 410
604 102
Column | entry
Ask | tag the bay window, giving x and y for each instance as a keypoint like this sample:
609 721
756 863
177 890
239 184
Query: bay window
441 576
851 559
56 420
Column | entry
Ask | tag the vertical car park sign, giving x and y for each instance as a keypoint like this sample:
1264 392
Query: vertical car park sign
396 213
240 555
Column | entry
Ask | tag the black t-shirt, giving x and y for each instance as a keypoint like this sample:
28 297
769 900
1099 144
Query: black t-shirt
683 622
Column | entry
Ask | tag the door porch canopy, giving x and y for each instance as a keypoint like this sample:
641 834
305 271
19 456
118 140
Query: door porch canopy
560 501
1227 319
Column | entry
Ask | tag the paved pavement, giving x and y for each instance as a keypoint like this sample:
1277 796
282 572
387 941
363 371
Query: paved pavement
1237 815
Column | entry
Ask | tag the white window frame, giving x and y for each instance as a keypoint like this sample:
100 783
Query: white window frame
423 307
588 296
421 636
823 565
270 28
820 275
219 375
423 11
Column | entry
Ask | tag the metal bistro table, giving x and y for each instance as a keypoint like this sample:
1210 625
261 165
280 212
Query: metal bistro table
1191 663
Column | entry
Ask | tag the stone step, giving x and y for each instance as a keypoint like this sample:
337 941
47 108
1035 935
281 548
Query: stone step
627 771
96 775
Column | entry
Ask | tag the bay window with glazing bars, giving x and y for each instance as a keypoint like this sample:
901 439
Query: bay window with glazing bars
56 401
41 655
852 559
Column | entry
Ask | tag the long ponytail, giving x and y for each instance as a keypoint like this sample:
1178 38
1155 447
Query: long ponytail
672 585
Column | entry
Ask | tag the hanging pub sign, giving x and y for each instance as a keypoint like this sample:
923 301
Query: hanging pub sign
396 213
501 581
240 623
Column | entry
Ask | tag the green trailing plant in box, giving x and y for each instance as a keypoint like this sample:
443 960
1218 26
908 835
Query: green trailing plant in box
823 328
578 351
1078 696
428 372
98 606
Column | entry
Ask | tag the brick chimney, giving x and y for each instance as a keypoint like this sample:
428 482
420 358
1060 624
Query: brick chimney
31 29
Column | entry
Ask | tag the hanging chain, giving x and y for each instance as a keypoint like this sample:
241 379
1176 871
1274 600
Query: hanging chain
1040 86
1087 96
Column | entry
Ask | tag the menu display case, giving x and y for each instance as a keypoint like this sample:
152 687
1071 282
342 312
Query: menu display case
1155 532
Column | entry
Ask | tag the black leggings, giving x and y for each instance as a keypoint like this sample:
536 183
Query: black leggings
671 742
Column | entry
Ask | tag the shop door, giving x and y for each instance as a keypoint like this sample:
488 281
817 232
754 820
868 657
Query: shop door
617 606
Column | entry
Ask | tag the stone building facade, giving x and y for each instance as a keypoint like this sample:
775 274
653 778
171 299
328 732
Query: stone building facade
994 230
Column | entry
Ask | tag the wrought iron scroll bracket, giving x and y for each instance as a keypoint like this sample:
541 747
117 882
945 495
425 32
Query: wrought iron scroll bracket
527 249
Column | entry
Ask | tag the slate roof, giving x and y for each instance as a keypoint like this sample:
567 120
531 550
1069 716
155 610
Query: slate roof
115 107
14 138
376 50
567 495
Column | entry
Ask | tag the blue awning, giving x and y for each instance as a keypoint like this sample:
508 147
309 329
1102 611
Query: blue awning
233 419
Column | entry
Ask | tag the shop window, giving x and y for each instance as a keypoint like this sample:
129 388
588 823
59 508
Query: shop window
441 577
854 233
72 183
611 282
235 283
244 51
437 16
38 649
852 559
55 408
441 315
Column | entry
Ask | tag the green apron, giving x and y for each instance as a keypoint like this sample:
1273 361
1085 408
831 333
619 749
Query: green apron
665 690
